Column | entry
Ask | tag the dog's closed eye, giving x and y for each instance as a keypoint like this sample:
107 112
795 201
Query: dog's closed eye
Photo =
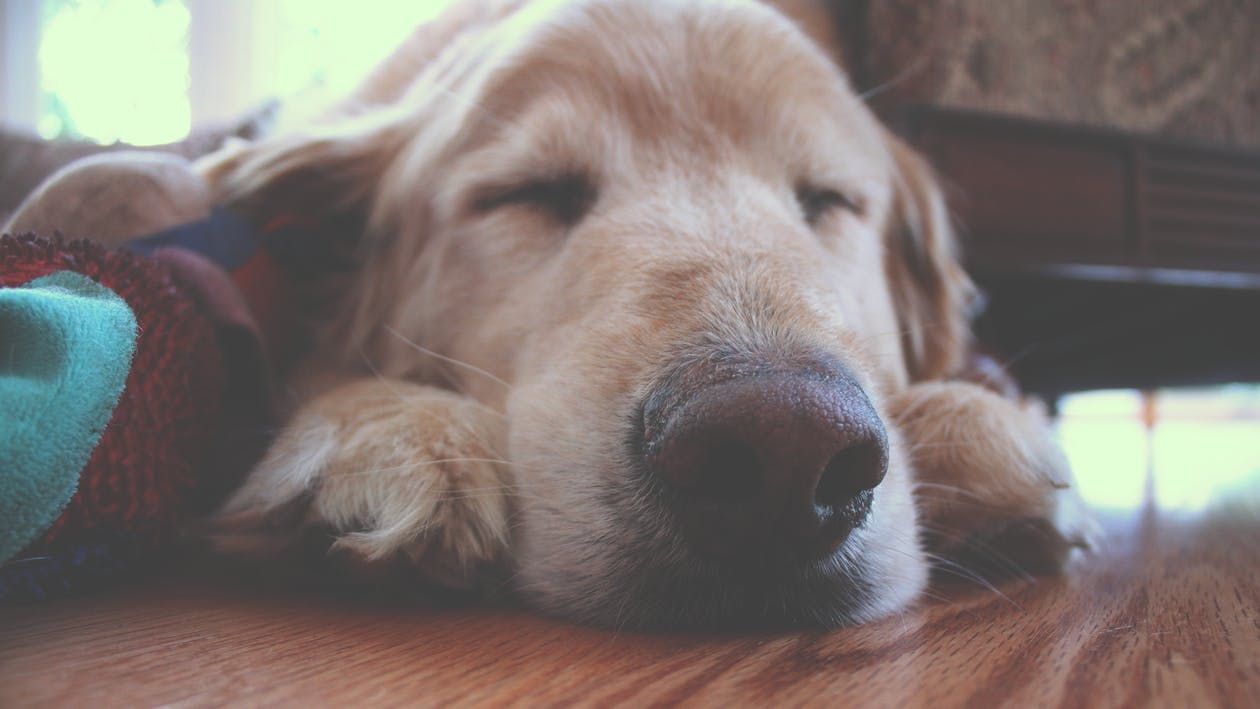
565 198
817 202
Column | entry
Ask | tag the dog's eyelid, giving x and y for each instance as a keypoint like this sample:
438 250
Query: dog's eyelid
816 201
567 197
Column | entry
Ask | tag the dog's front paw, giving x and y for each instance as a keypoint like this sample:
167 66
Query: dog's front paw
389 470
993 489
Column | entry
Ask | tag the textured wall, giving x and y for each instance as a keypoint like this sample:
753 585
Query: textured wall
1189 68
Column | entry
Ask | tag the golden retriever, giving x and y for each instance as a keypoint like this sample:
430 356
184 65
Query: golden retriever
653 323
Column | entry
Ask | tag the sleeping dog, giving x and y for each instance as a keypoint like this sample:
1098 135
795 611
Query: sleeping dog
650 316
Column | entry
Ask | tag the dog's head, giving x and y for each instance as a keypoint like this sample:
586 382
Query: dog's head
668 241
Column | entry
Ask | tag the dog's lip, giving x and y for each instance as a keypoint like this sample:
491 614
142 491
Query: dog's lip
706 595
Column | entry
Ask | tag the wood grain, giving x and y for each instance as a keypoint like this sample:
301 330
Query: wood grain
1166 614
1033 192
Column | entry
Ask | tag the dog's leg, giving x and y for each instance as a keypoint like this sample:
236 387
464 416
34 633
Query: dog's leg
993 488
114 197
390 470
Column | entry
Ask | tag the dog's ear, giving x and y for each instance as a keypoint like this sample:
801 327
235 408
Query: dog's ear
932 294
332 167
328 177
327 174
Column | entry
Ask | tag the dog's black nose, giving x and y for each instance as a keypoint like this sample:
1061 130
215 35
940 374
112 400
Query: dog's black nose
774 466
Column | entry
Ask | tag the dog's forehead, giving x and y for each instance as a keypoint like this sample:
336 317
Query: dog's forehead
714 70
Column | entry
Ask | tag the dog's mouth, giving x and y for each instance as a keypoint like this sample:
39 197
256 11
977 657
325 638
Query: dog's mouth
702 594
765 470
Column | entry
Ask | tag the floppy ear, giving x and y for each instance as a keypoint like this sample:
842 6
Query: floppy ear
334 165
359 172
328 174
328 179
932 294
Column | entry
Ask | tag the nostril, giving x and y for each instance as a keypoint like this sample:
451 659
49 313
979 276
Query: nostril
729 472
855 469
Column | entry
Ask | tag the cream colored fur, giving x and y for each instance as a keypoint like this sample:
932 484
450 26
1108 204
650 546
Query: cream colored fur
470 402
114 197
411 468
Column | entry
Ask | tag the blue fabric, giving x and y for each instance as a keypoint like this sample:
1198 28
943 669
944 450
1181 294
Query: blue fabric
66 344
48 572
223 237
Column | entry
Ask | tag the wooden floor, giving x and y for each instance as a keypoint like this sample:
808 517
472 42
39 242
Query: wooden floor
1167 614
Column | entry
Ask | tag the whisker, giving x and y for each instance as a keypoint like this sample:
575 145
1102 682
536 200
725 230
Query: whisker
957 569
901 76
386 381
937 445
425 350
947 488
406 467
1009 565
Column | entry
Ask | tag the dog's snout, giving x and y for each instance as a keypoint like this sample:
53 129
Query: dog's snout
779 466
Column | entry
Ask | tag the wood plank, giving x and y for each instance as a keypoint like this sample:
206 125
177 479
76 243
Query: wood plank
1016 190
1167 613
1027 190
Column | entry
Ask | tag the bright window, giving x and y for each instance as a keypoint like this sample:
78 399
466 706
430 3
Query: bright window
115 70
1184 447
148 71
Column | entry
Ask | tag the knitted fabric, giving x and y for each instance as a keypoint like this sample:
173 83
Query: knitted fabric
140 475
217 307
66 353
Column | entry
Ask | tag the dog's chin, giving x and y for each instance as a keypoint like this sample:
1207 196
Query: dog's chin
702 595
656 583
709 596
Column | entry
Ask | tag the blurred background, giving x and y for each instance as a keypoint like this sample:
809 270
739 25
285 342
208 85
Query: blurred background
1142 335
145 72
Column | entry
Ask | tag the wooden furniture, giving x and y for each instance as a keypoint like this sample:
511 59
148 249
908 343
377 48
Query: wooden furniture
1110 259
1167 613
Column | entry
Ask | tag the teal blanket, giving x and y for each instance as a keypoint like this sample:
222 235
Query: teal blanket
65 349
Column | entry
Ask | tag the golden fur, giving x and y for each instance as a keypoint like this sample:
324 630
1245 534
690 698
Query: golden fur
469 402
